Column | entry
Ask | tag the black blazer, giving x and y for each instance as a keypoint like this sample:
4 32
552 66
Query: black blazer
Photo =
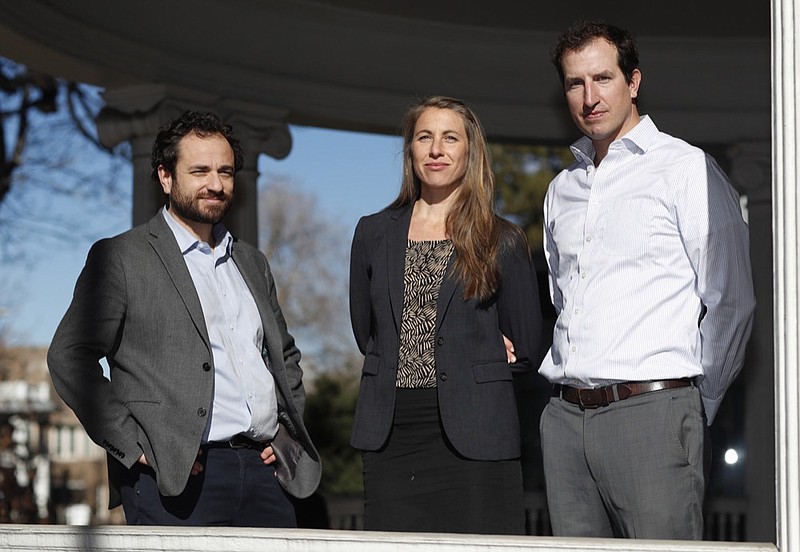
474 379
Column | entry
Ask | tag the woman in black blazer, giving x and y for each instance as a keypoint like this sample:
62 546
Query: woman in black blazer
437 280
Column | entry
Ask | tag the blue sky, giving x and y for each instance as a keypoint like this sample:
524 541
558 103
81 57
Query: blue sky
352 174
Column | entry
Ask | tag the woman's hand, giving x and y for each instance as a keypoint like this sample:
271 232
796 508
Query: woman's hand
509 350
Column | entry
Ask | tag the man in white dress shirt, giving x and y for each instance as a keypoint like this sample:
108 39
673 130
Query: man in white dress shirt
650 277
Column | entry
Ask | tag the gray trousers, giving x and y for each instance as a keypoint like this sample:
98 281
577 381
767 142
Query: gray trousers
635 468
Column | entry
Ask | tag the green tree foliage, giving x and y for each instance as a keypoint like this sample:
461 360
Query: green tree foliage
523 173
330 408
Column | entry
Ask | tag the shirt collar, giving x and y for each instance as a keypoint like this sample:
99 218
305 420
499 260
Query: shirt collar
187 242
639 139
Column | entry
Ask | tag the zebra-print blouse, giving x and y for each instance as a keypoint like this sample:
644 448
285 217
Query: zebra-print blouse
426 262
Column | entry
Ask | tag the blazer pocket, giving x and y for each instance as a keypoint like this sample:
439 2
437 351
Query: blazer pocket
136 405
147 414
288 452
372 364
491 371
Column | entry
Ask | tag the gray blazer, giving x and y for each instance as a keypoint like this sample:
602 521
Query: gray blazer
474 380
135 304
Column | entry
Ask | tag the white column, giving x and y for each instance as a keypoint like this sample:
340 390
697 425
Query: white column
786 241
135 114
258 134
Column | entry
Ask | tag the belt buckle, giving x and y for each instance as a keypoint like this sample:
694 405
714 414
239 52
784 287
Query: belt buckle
581 401
237 442
592 397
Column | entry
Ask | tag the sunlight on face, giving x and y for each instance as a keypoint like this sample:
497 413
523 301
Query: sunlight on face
598 96
440 149
201 190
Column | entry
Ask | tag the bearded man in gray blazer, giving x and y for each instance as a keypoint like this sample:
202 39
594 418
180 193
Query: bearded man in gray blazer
202 417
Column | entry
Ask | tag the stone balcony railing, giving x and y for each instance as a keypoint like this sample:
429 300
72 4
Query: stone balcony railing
47 538
724 517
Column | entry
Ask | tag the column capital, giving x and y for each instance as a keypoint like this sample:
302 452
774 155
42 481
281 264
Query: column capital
261 136
135 114
140 110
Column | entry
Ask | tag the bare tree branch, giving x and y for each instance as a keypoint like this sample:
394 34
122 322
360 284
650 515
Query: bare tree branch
49 157
75 95
308 253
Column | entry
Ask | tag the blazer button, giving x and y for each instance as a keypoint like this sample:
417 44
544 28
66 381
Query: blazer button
206 367
201 412
443 377
440 341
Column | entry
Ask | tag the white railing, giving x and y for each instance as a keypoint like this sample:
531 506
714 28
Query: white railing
724 517
50 538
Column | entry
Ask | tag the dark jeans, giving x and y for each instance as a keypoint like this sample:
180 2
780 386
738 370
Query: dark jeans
234 489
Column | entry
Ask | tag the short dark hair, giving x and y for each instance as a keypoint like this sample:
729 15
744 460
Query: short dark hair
582 33
165 147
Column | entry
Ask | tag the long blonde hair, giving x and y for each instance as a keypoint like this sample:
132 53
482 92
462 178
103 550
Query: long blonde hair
472 224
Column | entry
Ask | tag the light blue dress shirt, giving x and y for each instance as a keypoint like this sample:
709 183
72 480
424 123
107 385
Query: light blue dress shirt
244 391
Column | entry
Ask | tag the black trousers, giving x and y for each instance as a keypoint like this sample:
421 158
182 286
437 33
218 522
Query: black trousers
235 488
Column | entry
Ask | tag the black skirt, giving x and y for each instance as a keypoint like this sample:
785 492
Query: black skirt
418 482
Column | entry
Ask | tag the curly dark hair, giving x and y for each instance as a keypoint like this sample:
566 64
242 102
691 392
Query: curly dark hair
165 147
582 33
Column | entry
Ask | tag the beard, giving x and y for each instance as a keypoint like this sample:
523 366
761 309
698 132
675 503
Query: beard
190 207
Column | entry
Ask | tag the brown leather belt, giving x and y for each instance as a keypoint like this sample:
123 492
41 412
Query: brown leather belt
593 397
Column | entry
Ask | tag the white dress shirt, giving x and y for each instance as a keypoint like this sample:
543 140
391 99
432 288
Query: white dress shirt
244 391
649 267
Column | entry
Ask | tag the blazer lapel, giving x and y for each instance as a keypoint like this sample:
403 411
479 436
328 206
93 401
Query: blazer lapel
446 292
253 276
166 247
396 243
